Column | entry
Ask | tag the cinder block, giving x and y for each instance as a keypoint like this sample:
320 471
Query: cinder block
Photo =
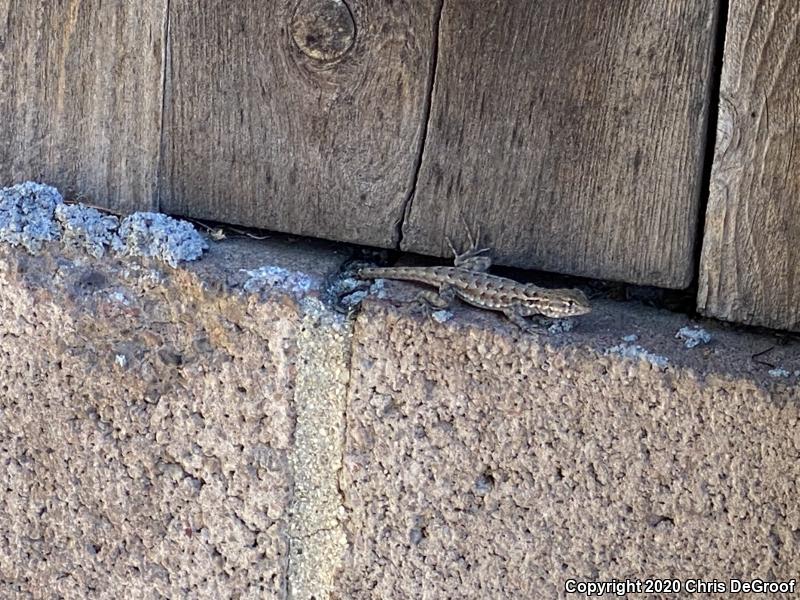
149 422
218 430
483 463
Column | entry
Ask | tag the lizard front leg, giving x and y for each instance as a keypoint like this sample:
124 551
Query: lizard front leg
515 313
439 300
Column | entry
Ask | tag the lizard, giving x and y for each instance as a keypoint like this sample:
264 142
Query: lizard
469 281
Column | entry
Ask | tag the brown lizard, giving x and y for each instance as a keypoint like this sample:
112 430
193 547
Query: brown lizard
469 281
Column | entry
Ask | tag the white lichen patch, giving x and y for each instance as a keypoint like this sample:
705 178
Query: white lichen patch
268 277
693 336
778 372
561 326
640 353
26 215
87 228
631 338
352 299
156 235
441 316
378 289
33 213
118 298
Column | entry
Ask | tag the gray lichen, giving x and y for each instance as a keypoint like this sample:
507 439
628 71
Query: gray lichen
26 215
268 277
87 228
637 352
693 336
156 235
33 213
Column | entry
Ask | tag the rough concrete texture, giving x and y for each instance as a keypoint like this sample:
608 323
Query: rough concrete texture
481 463
148 424
217 431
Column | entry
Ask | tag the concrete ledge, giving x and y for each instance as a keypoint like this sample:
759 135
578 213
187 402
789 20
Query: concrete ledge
217 431
151 422
492 465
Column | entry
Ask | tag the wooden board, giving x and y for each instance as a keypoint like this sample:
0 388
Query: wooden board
80 97
750 266
573 132
303 117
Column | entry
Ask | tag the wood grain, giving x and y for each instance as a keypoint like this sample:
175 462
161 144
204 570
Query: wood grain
81 97
750 265
305 118
573 132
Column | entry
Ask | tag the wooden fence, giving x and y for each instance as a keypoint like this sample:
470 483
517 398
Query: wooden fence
576 133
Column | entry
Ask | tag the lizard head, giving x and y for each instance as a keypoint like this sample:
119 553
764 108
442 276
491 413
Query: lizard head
558 304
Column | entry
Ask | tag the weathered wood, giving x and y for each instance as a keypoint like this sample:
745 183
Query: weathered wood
750 265
81 97
573 132
302 117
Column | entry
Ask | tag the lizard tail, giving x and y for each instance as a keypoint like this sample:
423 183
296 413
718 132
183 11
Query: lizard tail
415 274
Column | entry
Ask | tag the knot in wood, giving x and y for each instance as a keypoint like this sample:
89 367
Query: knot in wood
323 29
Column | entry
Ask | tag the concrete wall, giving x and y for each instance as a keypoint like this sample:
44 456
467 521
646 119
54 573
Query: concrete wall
217 430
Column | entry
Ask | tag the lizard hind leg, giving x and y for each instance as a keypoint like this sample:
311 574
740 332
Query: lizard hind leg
473 258
442 299
428 301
